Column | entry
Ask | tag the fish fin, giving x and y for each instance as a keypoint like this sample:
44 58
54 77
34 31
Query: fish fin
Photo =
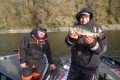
100 36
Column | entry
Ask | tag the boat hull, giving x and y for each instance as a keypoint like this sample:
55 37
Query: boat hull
10 67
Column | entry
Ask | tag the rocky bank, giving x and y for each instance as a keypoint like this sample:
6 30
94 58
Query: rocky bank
58 29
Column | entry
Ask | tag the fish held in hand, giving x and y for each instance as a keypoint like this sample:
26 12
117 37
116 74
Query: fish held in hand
82 30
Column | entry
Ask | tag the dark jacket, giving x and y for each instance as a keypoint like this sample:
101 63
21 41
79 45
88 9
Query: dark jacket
32 50
83 55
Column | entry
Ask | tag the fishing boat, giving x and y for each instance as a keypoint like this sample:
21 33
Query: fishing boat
10 68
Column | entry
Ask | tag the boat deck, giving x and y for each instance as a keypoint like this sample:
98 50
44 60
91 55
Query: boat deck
11 67
107 68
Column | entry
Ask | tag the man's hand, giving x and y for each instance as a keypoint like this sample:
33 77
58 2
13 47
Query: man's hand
88 39
52 67
23 65
73 34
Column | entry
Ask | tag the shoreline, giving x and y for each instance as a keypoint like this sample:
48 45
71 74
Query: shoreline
58 29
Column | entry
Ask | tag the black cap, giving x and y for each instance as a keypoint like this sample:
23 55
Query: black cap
41 28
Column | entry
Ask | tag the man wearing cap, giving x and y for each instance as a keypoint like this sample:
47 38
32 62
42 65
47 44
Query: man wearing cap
85 50
33 49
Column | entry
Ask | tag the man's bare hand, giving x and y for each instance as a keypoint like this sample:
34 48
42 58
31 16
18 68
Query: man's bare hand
73 34
52 67
23 65
88 39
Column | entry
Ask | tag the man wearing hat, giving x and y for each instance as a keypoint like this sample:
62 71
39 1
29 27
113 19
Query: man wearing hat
33 49
85 50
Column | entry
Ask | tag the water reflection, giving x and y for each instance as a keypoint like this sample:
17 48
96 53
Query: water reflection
9 42
113 38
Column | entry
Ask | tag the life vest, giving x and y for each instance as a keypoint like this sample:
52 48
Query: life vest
35 51
37 41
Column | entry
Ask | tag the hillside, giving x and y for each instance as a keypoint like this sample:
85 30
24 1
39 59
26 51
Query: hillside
55 13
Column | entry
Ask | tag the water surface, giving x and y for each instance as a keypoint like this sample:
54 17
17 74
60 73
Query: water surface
9 42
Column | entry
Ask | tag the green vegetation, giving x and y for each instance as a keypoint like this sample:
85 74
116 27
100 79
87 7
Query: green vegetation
54 13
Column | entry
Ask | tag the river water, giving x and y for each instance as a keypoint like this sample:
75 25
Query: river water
10 42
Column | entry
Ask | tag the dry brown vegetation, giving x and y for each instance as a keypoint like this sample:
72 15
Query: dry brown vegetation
55 13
